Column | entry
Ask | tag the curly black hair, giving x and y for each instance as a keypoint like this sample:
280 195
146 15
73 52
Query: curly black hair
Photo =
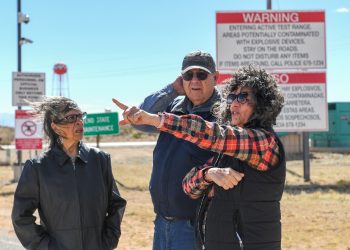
268 97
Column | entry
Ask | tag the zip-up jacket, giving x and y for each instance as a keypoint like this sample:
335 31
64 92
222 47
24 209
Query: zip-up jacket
78 202
173 157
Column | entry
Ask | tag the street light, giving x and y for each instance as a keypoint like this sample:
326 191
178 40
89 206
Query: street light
23 18
24 40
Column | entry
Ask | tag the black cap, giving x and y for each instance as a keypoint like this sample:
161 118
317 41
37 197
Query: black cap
198 60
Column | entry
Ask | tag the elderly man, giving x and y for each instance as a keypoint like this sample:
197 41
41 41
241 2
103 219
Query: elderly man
173 157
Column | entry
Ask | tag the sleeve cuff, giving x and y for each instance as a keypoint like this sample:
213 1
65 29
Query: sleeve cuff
162 118
204 172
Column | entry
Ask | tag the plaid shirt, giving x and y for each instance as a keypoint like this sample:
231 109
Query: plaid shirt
257 147
194 183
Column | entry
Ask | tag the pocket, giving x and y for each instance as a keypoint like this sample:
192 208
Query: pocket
220 225
96 238
55 245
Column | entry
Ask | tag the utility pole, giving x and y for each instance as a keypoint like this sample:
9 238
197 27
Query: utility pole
269 4
19 62
21 18
306 156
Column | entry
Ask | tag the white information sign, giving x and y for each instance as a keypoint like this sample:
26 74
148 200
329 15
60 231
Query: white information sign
305 101
27 86
271 39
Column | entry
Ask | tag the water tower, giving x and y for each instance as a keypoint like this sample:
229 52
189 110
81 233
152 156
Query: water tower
60 83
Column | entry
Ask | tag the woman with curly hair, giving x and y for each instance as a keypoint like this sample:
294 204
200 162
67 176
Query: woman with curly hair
241 193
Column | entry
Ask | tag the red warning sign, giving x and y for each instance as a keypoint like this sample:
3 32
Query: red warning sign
28 131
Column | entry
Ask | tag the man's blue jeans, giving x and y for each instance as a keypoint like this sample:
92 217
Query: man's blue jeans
173 235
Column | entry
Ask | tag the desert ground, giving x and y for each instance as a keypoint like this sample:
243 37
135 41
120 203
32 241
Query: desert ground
315 214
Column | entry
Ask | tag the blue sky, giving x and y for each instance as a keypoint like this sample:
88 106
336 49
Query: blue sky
128 49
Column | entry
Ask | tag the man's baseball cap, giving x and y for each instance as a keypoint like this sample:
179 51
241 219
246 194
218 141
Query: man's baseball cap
198 60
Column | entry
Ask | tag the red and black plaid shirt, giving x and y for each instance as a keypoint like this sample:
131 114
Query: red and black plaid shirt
257 147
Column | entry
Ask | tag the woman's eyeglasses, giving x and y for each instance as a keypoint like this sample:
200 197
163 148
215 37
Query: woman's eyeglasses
201 75
72 118
241 98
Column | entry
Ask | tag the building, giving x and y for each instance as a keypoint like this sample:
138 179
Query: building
338 135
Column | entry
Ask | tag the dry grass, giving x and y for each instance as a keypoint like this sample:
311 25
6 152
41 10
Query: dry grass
132 166
6 135
315 215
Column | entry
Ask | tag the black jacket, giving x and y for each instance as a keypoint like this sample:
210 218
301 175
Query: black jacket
79 204
247 215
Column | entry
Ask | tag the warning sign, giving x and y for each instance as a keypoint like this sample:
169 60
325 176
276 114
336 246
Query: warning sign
305 102
278 40
28 131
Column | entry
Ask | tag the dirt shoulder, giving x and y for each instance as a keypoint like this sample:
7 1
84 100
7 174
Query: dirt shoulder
315 215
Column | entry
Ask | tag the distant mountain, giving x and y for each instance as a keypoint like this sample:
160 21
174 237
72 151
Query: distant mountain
7 120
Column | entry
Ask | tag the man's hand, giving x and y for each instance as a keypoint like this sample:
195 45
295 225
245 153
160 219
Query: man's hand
178 85
224 177
136 116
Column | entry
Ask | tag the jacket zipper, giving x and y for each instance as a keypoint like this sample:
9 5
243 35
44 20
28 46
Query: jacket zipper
201 228
77 189
204 228
237 218
240 241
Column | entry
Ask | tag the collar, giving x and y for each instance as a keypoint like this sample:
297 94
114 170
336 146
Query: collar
62 157
185 106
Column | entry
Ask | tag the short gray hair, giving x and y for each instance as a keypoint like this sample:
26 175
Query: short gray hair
52 109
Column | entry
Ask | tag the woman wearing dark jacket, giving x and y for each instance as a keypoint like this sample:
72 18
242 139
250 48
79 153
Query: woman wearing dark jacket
71 186
252 161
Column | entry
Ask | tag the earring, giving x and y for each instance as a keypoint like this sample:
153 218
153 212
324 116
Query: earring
59 141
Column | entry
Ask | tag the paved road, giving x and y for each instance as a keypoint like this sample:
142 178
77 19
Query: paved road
10 244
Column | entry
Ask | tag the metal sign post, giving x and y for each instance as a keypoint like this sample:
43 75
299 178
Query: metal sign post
21 18
306 156
19 64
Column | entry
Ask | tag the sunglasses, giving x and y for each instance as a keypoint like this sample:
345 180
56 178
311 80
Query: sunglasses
241 98
201 75
72 118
